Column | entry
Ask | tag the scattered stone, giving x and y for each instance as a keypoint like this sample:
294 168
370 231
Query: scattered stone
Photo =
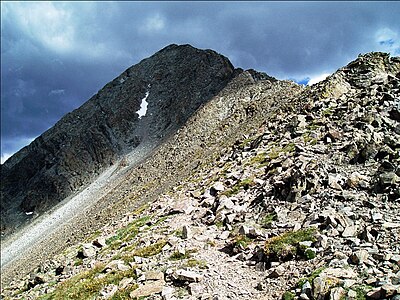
350 231
125 282
100 242
186 232
86 251
108 291
359 257
167 293
277 272
337 293
196 289
154 275
224 235
329 161
149 288
375 294
217 188
306 289
185 275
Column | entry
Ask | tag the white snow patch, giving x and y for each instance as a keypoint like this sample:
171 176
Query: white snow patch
29 213
143 106
318 78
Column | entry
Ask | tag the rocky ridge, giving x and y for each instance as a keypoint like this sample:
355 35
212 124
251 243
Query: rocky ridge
174 82
305 206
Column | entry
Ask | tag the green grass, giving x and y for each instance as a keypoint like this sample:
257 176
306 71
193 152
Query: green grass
87 284
288 296
179 256
124 293
150 250
78 262
179 233
310 278
268 219
276 151
93 236
327 112
242 241
194 263
361 291
286 244
244 184
309 140
130 252
261 159
127 233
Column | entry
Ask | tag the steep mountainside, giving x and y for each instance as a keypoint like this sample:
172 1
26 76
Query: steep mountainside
174 82
269 191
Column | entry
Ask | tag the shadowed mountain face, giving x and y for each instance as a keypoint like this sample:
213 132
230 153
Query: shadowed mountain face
142 106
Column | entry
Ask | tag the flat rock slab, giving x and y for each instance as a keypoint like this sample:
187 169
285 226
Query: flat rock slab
149 288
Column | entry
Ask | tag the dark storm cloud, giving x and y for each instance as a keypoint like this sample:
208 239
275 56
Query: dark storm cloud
55 56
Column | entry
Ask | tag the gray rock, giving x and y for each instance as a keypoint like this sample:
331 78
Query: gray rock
108 291
244 230
304 296
217 188
196 289
149 288
375 294
359 257
99 242
125 282
337 293
154 275
350 231
167 293
395 259
277 272
186 232
306 289
189 276
87 251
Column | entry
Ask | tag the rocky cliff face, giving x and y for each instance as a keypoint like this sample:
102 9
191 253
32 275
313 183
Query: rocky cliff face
173 83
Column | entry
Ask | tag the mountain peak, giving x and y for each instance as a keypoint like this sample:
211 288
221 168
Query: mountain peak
171 84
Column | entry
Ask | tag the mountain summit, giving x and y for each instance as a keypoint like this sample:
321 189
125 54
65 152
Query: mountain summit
141 107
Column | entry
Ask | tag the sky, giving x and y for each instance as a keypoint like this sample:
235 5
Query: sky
56 55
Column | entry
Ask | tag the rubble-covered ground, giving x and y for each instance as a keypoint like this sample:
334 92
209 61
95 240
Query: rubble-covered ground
307 208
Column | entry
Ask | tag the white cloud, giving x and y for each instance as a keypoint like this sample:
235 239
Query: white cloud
57 92
44 22
60 28
5 156
13 145
388 41
317 78
154 23
24 88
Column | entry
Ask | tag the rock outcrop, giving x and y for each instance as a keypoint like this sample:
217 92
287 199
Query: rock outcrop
141 107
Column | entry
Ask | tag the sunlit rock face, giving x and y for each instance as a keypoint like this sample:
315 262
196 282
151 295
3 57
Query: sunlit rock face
142 106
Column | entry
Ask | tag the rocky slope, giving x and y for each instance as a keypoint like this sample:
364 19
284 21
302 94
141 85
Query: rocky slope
174 82
304 206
